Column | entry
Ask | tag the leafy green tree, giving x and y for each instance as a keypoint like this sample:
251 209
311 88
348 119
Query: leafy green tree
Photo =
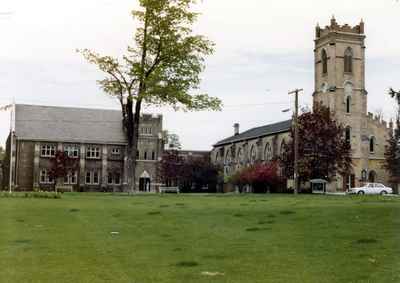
162 67
173 142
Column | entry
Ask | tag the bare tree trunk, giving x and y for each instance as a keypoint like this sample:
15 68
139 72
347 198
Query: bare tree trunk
133 124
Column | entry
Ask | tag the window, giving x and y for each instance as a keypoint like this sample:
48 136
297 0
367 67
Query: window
71 151
268 152
372 177
48 150
95 177
324 58
372 144
146 130
114 178
71 178
153 156
145 155
92 177
88 178
137 154
45 177
115 151
240 158
253 155
348 135
348 60
348 104
93 152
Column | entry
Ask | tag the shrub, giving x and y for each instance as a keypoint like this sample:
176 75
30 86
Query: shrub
45 195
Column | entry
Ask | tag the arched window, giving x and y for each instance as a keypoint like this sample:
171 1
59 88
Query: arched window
282 150
253 155
240 160
268 152
348 104
372 144
324 58
348 60
372 177
228 162
348 135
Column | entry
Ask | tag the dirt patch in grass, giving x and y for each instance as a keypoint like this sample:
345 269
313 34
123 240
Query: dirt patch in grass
154 213
287 212
187 264
74 210
256 229
238 215
367 241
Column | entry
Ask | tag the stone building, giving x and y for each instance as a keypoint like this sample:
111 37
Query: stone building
94 137
340 85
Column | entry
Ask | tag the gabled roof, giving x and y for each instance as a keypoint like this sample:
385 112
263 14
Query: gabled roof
258 132
64 124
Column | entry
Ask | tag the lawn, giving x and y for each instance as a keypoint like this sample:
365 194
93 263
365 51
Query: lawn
270 238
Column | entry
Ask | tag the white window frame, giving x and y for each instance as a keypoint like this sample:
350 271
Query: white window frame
91 175
112 177
48 150
93 152
72 151
44 177
71 178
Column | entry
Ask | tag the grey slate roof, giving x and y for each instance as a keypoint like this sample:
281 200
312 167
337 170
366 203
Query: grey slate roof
258 132
62 124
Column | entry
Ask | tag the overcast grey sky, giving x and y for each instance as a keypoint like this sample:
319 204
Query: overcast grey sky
263 49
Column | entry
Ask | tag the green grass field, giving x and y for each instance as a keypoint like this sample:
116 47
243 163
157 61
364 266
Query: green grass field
271 238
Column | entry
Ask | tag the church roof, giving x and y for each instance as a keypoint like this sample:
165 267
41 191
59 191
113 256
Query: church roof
65 124
258 132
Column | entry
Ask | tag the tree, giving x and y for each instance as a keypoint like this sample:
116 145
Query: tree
392 149
169 168
172 141
323 149
61 165
198 173
262 177
162 67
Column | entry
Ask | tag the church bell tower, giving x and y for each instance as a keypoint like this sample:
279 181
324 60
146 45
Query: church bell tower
340 80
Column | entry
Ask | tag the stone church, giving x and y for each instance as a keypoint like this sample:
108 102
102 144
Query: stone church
340 85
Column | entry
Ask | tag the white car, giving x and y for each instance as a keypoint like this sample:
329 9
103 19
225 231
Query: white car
371 189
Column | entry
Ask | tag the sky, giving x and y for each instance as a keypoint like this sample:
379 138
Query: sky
264 49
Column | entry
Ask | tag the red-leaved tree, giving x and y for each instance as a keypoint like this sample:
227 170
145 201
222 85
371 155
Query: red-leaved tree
262 177
61 164
323 149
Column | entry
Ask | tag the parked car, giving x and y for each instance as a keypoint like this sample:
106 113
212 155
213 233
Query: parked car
371 189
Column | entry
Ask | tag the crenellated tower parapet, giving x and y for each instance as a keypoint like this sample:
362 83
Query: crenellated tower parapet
334 27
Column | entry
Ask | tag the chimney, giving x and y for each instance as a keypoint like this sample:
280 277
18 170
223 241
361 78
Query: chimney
236 127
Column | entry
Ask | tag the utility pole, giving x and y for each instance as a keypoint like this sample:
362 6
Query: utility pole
296 140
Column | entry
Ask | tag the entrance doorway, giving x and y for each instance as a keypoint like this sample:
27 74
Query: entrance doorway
145 182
